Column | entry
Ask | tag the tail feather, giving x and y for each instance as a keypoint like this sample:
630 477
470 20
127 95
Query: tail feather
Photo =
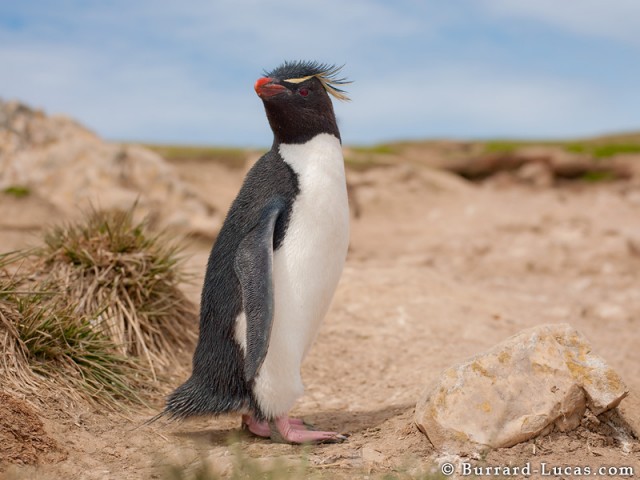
193 399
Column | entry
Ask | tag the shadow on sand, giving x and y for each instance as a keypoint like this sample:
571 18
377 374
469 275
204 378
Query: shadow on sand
350 423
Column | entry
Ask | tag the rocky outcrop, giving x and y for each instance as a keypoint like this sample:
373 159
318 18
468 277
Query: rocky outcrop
539 164
70 167
537 381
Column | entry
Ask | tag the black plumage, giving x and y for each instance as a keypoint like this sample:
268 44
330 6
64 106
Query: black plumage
218 383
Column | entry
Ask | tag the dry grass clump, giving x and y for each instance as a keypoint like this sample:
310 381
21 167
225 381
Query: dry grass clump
128 279
94 311
45 342
14 360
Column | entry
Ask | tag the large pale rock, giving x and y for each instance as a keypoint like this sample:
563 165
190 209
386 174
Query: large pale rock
539 380
68 166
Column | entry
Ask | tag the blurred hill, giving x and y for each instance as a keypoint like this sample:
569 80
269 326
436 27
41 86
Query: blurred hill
63 167
542 162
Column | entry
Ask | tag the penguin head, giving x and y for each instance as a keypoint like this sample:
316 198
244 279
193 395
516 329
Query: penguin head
296 99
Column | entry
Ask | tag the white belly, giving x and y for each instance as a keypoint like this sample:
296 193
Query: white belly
306 267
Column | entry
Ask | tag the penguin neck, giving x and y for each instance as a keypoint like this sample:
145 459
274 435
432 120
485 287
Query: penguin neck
288 130
301 141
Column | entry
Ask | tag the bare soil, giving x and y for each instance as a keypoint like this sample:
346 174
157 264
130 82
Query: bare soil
23 440
439 269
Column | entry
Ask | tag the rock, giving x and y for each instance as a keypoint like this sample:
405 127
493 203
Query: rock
538 174
70 167
537 381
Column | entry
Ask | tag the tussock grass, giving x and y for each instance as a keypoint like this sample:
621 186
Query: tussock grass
128 279
94 311
45 342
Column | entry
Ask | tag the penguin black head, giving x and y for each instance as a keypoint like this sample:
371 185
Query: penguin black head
296 99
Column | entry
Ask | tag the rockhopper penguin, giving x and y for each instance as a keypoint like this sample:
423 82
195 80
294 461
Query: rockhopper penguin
275 264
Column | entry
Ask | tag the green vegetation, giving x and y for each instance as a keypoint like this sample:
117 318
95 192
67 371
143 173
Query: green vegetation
381 149
230 157
597 176
600 147
600 151
18 191
365 157
245 467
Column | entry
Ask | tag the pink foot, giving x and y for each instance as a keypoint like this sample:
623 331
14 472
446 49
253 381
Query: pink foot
262 429
283 431
289 430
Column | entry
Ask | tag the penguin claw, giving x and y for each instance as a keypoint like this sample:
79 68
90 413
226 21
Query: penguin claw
336 438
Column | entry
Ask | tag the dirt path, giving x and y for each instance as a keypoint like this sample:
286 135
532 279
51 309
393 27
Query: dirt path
438 270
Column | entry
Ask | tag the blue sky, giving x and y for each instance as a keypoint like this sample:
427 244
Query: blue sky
183 72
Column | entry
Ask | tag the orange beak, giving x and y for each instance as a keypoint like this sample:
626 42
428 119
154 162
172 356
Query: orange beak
265 87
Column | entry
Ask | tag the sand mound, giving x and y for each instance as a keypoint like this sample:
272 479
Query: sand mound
23 440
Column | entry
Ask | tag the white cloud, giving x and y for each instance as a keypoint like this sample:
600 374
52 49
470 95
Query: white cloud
479 101
613 19
126 100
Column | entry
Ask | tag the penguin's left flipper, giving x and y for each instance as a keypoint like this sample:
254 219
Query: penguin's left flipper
254 268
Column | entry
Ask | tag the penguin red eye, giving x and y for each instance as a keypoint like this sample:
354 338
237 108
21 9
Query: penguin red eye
304 92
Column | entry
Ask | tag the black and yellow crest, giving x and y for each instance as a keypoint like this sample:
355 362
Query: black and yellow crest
298 72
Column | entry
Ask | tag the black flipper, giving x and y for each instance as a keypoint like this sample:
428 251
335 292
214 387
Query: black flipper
254 267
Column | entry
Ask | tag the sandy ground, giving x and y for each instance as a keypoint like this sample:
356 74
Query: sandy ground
439 269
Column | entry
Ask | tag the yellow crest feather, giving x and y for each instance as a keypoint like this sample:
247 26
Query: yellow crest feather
298 72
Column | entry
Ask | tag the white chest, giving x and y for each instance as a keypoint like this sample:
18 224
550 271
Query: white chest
319 220
309 263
